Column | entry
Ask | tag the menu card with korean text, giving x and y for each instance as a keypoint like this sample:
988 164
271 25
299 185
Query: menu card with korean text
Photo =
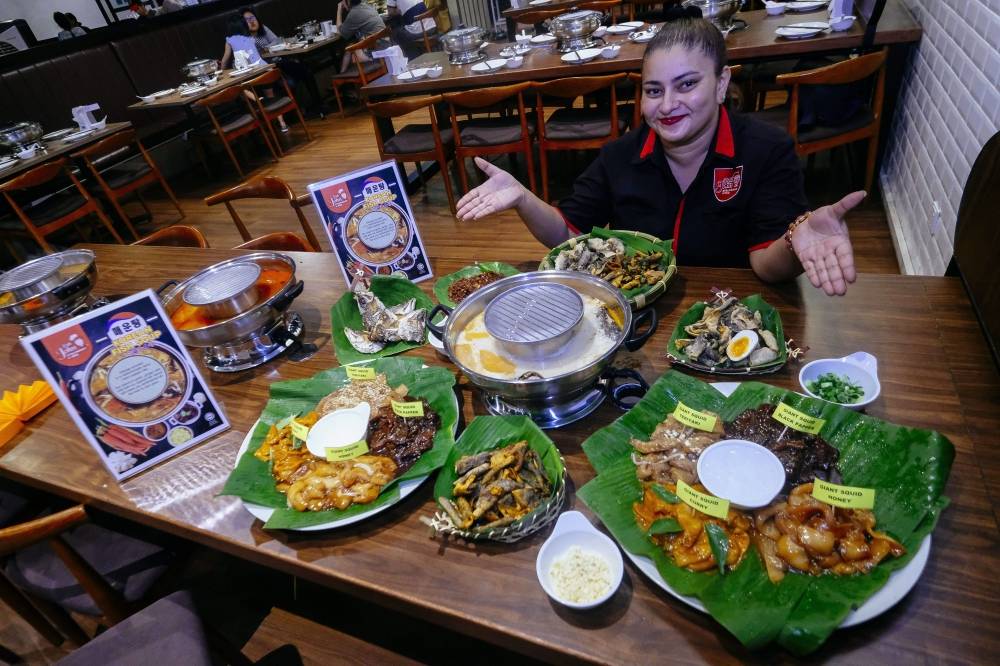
128 383
368 219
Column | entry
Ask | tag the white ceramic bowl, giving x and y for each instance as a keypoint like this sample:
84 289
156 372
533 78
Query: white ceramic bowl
434 72
338 429
600 32
573 529
27 153
839 23
610 51
860 367
745 473
515 62
775 8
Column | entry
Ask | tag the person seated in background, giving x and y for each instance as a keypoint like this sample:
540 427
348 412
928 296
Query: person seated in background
166 7
356 19
243 33
70 28
406 30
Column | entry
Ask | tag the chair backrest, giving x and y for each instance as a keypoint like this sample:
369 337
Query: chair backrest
268 78
280 241
178 235
483 97
576 86
538 16
400 107
357 47
262 187
36 176
224 96
429 14
108 145
602 6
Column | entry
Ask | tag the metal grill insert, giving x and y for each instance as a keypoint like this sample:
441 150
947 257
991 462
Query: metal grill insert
30 273
533 313
222 284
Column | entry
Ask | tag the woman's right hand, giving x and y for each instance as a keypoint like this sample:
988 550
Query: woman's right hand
499 193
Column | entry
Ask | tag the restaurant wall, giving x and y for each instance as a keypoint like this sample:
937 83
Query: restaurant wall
38 14
949 107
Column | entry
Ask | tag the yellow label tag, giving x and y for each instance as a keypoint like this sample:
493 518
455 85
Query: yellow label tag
847 497
707 504
408 409
356 372
692 418
299 431
341 453
796 420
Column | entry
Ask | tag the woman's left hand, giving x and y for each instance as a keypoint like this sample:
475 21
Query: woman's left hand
823 246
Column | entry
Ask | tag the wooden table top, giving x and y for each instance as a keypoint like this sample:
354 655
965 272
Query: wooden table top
757 41
318 43
514 12
226 78
58 148
935 373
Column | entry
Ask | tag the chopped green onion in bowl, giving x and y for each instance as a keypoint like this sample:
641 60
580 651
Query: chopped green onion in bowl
836 388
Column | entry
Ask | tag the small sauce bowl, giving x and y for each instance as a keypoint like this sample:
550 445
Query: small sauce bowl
860 367
515 62
338 429
745 473
610 51
841 23
434 72
774 8
573 529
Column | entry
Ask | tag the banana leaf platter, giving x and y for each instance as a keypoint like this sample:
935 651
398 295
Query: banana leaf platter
391 291
908 468
634 241
251 479
486 433
771 320
442 285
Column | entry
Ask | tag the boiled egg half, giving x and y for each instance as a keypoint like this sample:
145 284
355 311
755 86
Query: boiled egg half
742 344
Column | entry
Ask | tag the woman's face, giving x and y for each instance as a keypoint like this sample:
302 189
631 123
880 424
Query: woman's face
252 23
681 94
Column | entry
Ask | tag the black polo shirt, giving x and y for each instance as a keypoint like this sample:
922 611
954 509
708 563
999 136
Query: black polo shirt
747 192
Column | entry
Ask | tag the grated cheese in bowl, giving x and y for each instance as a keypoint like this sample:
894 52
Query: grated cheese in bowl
580 576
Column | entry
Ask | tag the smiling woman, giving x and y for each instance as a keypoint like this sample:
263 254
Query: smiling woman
725 187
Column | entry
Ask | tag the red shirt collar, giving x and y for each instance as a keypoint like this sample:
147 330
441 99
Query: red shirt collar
723 138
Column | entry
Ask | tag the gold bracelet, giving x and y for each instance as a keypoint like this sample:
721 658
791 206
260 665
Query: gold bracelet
792 227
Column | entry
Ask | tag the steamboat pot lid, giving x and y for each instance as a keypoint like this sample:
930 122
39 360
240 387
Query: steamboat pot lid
222 283
575 16
30 274
533 313
42 275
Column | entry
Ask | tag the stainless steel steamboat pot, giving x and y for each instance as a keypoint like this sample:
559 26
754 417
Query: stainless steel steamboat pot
464 45
47 290
574 29
17 134
536 394
309 29
719 12
203 67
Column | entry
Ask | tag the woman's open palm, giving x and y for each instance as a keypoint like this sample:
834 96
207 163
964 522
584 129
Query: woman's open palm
823 246
500 192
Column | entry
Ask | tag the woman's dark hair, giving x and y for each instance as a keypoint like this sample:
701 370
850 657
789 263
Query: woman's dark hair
61 20
237 25
246 10
694 34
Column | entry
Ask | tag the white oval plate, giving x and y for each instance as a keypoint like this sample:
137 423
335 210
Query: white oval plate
805 5
69 138
581 56
412 74
11 162
535 3
622 28
490 65
192 91
641 37
633 24
58 134
802 30
543 39
899 584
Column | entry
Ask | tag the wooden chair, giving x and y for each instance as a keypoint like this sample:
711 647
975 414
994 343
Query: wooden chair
177 235
271 109
56 211
430 38
642 6
262 187
575 128
490 136
280 241
538 16
610 7
122 179
416 142
360 72
232 128
863 125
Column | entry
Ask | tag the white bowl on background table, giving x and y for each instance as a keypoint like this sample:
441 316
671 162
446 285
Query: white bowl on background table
27 153
610 51
435 71
774 8
841 23
515 62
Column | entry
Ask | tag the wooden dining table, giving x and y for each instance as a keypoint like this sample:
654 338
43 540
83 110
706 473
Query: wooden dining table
935 373
58 147
225 79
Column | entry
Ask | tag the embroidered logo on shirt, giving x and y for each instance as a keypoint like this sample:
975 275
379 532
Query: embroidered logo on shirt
727 183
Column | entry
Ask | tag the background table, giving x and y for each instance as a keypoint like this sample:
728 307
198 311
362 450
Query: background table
57 148
935 372
224 80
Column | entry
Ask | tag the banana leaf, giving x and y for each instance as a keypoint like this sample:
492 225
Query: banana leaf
442 285
391 291
907 467
486 433
634 242
251 480
770 319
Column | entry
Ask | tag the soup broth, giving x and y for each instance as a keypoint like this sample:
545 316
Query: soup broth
190 317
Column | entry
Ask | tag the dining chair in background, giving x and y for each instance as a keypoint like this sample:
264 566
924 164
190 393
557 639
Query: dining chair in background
279 241
271 109
432 38
418 141
575 128
610 7
262 187
646 9
53 212
360 71
234 124
127 177
177 235
863 125
535 17
481 136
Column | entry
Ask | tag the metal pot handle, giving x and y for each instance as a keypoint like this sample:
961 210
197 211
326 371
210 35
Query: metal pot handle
646 317
282 302
624 395
166 285
437 329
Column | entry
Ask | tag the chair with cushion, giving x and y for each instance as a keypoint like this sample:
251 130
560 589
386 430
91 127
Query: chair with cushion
572 128
270 109
177 235
360 72
39 218
280 241
239 120
415 142
262 187
478 136
431 37
863 124
117 179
